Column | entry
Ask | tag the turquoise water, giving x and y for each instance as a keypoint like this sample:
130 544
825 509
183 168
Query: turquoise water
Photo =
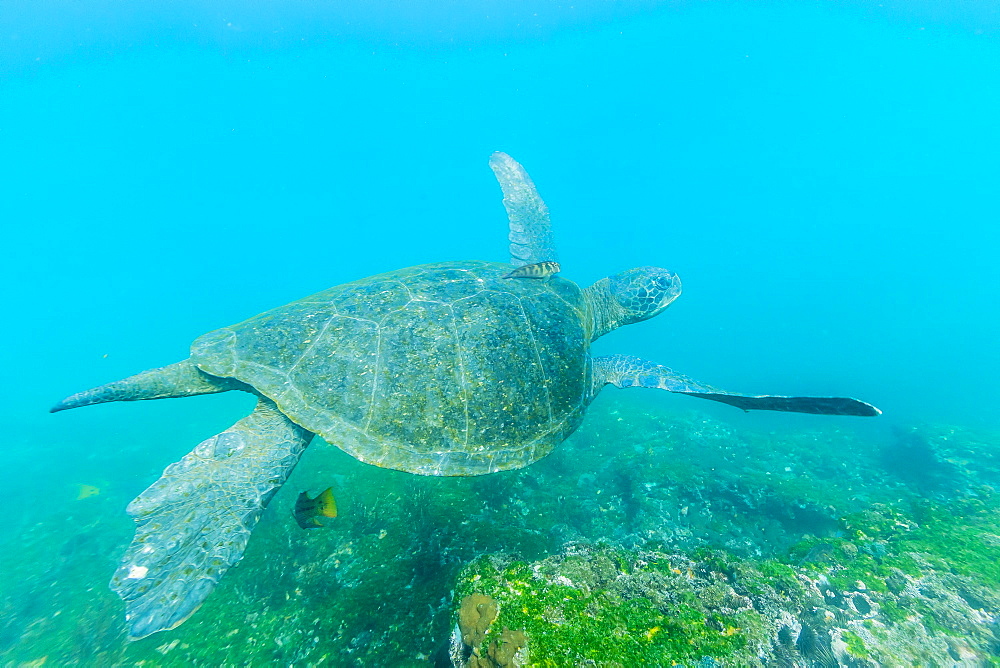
823 178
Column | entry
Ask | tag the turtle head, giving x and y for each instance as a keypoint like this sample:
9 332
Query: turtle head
644 292
631 296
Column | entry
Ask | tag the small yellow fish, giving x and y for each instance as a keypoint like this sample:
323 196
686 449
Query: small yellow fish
308 510
537 270
87 491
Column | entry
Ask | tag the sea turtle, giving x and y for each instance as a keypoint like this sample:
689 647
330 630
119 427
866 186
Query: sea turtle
451 368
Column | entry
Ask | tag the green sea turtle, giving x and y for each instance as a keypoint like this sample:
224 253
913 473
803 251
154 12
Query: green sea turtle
440 369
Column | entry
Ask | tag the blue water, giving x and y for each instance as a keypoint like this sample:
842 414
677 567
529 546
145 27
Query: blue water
822 176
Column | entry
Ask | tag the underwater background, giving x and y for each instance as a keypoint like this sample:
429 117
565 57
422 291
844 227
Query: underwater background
822 176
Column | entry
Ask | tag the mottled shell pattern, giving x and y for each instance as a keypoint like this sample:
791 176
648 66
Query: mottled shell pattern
440 369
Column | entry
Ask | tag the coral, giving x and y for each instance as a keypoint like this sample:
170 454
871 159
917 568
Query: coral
475 614
503 652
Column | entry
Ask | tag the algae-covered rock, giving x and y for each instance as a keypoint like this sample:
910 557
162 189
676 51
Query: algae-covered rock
721 547
651 609
892 591
941 461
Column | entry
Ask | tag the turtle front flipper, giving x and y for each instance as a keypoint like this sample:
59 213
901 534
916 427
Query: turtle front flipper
530 235
629 371
193 523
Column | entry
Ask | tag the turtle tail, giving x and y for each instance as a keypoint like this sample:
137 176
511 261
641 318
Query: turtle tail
182 379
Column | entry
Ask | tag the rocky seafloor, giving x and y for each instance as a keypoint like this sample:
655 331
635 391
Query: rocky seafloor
650 538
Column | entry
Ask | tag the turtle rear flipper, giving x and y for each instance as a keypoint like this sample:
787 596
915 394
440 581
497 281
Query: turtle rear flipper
182 379
530 234
629 371
194 522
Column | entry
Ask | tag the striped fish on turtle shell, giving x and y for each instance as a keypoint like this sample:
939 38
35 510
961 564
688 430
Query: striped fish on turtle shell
536 270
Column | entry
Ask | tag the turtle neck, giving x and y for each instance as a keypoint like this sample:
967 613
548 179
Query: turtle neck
606 313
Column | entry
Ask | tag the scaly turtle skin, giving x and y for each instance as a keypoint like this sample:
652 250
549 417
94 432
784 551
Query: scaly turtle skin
441 369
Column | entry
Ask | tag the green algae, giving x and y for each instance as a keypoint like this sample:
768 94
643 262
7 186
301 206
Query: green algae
958 536
855 645
963 536
714 550
569 622
867 585
890 576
